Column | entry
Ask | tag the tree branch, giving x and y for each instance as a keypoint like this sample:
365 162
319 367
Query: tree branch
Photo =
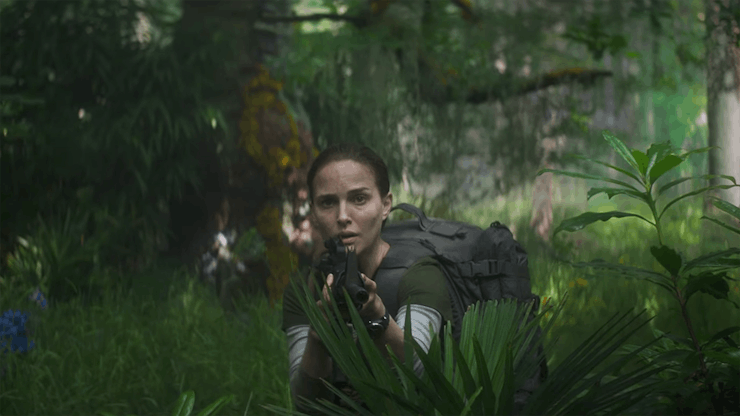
467 12
358 21
578 75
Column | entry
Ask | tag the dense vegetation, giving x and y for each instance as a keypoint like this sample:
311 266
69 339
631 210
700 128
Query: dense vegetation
115 116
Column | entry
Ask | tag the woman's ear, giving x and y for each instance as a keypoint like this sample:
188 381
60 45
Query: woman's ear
387 205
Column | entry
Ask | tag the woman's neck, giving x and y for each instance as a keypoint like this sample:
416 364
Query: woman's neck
369 264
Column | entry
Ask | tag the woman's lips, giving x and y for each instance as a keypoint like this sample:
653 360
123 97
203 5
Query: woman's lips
350 239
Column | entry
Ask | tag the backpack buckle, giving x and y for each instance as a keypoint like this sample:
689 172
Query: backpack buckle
476 268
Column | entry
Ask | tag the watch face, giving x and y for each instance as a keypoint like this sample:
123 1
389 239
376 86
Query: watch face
375 329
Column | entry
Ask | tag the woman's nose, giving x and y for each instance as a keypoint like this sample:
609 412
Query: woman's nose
343 214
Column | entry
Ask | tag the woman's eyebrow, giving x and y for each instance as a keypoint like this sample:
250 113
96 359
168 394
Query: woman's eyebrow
352 191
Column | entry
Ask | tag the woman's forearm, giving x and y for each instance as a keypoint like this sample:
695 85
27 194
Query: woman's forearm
316 364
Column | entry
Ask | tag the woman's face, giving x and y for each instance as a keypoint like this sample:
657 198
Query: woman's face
347 203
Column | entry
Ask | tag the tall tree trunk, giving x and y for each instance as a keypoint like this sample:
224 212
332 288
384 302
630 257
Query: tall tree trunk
272 151
723 95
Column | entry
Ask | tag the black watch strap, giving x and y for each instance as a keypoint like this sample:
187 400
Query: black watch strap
376 327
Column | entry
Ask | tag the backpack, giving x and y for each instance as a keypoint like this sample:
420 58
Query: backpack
478 264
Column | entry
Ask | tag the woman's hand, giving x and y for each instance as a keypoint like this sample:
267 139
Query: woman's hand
372 309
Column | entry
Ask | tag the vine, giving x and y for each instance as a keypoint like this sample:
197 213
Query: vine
269 149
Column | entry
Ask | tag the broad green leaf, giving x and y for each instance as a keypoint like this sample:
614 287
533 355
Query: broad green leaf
658 151
710 283
731 358
581 221
611 192
726 207
722 224
686 195
587 176
671 184
668 258
709 259
621 149
664 165
720 335
642 161
216 406
185 403
618 169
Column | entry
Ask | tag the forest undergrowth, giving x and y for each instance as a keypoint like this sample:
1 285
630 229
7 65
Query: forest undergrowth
135 350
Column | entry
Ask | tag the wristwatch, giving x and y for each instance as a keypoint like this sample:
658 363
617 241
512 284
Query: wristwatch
376 327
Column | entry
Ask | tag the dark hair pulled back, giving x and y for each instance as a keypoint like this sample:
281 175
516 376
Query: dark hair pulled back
357 153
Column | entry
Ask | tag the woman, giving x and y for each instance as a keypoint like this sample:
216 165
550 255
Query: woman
350 198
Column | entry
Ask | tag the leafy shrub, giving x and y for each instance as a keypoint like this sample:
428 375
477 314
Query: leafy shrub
714 384
480 374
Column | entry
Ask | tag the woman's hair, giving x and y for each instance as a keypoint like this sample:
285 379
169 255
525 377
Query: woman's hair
357 153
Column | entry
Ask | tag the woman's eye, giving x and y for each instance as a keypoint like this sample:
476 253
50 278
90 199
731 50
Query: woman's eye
360 199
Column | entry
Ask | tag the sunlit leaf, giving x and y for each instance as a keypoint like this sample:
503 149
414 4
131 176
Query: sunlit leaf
722 224
587 176
611 192
641 159
664 165
686 195
726 207
621 149
616 168
696 151
581 221
671 184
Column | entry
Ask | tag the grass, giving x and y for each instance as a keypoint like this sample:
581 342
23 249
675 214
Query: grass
135 350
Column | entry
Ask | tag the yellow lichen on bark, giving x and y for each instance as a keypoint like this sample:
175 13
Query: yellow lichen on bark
274 154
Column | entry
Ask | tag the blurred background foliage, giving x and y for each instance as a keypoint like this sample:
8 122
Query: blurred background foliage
108 107
119 119
102 121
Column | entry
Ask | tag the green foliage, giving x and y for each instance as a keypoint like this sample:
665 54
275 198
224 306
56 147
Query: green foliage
685 278
249 246
120 124
597 41
184 405
728 208
56 258
490 365
136 352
